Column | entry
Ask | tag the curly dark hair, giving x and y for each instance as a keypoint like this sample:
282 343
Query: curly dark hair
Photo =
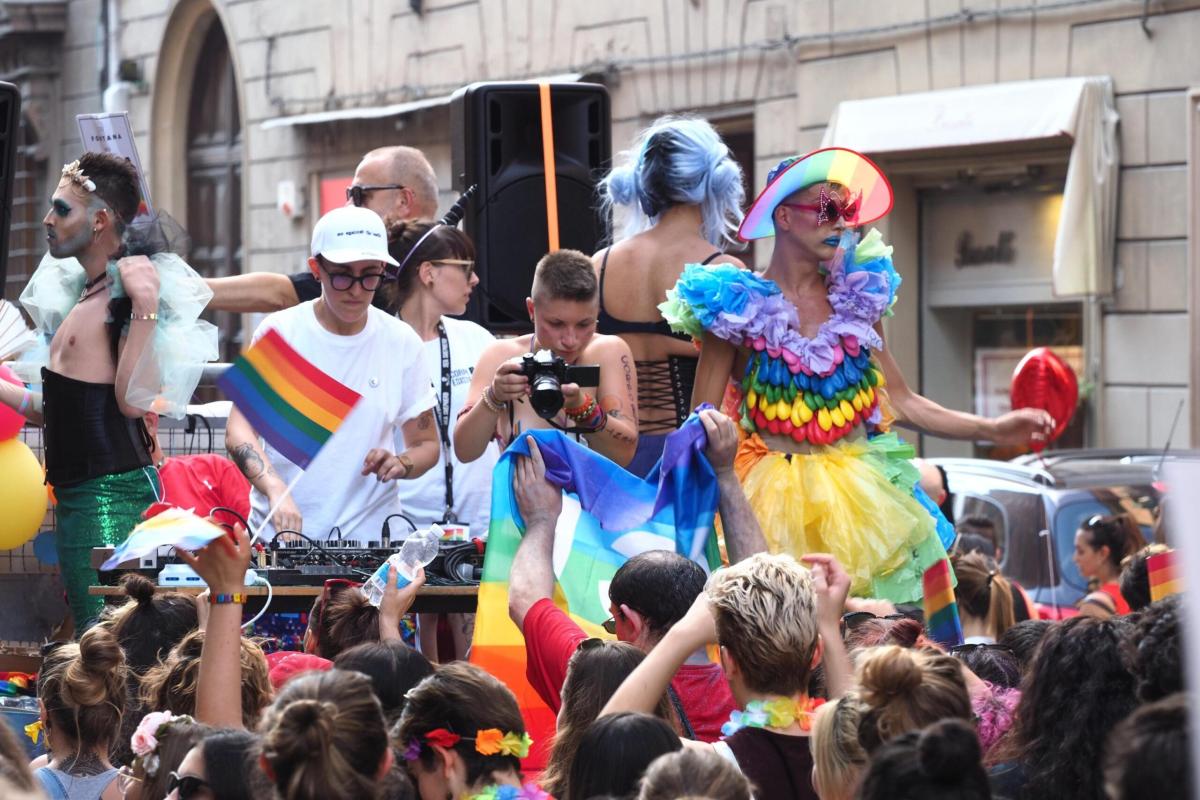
1148 753
1076 692
1024 638
1155 650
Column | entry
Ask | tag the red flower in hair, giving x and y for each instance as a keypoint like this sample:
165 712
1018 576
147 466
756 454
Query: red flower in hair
442 737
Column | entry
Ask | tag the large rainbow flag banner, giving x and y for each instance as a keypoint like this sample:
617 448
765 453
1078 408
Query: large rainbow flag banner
608 516
290 403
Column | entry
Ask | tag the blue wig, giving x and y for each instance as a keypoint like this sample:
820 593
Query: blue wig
677 161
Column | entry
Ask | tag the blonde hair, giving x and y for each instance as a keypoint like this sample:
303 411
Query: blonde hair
838 759
905 690
689 774
984 593
765 612
171 685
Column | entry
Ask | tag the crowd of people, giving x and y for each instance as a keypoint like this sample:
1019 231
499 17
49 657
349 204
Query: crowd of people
798 668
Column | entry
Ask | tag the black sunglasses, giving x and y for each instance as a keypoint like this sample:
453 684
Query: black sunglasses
358 194
342 281
971 648
188 785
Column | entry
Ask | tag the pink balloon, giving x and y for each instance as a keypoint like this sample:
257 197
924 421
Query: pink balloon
10 421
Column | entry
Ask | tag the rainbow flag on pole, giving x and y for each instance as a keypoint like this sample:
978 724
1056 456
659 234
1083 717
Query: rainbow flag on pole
1164 577
609 515
293 405
941 608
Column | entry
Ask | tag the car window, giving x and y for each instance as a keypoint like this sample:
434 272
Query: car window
1139 501
1019 517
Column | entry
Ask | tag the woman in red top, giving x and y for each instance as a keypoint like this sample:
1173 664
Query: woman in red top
1100 545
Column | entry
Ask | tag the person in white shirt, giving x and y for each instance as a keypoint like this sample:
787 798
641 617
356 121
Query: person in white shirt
346 491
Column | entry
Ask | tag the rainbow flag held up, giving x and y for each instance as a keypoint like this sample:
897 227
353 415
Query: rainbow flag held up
608 516
293 405
941 608
1164 576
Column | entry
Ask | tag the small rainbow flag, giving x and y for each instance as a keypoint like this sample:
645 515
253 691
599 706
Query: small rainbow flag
293 405
1164 577
941 609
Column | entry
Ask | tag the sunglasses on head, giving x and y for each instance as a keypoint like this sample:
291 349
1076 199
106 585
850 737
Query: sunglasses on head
829 209
590 644
333 587
187 785
358 194
971 648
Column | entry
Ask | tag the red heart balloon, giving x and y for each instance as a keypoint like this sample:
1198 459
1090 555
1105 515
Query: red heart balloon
1043 380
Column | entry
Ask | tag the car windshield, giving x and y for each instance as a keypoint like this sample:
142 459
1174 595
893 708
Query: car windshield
1139 501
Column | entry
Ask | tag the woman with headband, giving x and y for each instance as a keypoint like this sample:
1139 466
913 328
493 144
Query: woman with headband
433 284
798 355
681 196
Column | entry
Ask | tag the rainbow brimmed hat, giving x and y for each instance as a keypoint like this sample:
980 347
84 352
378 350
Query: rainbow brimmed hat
833 164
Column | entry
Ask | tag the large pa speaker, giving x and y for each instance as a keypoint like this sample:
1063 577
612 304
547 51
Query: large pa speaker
10 122
497 144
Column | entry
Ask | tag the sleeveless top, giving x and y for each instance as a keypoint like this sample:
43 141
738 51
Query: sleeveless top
59 785
662 385
815 390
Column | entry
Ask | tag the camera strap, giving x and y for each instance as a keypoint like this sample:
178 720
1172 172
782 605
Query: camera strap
441 414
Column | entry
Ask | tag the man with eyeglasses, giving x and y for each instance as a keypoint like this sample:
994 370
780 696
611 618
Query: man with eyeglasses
396 182
369 351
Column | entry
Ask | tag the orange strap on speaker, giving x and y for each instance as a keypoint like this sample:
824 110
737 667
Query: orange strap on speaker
548 165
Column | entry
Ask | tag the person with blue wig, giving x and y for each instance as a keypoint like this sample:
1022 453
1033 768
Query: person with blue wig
679 195
797 355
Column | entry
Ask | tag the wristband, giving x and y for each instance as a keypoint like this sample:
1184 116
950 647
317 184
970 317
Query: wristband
489 400
151 317
25 398
407 464
222 599
583 409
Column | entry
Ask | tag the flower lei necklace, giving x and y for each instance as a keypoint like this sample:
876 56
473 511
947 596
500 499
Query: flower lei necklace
779 712
529 791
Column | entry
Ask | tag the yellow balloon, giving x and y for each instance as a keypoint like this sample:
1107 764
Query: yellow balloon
806 413
824 420
751 399
847 410
837 417
22 494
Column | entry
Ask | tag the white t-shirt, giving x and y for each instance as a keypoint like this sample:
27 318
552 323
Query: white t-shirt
382 363
424 498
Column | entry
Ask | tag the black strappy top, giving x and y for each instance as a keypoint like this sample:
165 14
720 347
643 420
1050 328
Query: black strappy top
607 323
662 385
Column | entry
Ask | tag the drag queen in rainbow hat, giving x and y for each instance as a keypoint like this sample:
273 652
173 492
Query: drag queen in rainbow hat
797 355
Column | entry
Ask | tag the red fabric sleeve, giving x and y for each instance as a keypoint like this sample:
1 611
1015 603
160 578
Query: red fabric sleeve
233 488
551 638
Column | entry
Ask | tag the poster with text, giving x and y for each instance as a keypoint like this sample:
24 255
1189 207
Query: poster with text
112 133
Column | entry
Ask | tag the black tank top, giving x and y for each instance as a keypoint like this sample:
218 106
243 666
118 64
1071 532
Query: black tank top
86 435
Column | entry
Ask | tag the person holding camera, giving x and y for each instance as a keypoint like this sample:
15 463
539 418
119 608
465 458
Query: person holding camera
563 375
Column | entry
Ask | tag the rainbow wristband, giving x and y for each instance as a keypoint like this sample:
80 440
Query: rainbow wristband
25 398
222 599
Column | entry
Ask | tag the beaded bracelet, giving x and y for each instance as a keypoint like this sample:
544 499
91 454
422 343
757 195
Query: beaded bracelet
489 400
151 317
584 410
222 599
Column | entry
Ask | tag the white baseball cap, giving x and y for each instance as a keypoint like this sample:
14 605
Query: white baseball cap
349 233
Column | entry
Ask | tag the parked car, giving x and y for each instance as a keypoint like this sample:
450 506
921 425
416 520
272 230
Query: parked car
1037 504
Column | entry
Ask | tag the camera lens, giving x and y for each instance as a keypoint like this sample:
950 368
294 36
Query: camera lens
546 395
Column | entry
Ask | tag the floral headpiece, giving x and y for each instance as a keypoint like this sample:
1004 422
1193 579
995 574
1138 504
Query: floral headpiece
488 742
74 173
144 742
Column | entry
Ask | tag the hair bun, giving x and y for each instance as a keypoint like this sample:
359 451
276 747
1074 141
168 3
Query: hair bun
890 672
138 587
947 750
98 672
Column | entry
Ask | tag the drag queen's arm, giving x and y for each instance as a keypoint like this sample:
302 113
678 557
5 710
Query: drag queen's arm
922 414
713 370
140 280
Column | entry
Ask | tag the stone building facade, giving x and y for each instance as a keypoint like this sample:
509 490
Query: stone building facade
226 98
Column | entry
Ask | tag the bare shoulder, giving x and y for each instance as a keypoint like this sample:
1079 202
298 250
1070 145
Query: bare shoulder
502 350
603 348
725 258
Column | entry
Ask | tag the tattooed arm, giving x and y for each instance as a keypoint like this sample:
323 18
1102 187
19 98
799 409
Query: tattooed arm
617 395
420 452
241 442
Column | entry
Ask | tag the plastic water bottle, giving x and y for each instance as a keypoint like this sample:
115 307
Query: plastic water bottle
418 550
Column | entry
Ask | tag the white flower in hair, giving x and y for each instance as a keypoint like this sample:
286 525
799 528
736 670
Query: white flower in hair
74 173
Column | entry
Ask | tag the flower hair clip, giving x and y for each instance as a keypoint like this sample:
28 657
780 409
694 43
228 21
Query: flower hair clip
74 173
145 740
488 742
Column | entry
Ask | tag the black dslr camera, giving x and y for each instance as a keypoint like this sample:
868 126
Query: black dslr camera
547 373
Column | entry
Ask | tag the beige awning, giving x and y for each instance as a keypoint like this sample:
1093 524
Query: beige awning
1022 111
395 109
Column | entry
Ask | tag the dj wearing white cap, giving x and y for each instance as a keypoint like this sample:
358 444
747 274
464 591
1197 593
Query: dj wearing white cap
347 488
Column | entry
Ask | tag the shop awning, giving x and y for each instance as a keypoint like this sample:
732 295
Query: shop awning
1022 111
395 109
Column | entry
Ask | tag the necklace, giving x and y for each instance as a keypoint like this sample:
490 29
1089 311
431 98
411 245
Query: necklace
93 286
529 791
779 712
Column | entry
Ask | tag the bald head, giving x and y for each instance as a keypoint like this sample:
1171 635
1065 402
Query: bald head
398 166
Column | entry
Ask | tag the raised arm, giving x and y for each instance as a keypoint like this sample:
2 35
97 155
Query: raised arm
222 565
713 370
743 534
617 395
241 442
920 413
140 280
831 584
477 425
253 292
532 575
